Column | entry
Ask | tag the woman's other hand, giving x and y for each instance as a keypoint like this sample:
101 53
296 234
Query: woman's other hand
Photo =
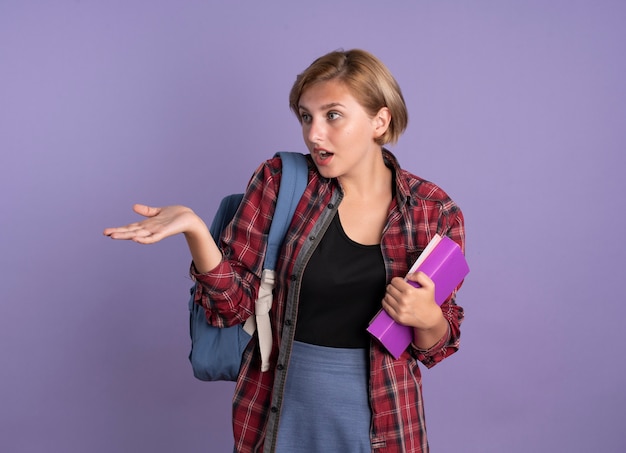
416 307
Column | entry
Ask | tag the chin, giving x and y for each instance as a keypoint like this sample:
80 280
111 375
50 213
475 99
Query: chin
326 172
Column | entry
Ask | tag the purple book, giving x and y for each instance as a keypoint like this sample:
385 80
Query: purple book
443 261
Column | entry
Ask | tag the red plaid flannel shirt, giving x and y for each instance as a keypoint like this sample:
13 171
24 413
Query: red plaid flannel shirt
419 210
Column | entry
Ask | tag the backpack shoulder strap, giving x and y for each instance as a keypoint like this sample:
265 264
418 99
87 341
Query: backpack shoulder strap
293 182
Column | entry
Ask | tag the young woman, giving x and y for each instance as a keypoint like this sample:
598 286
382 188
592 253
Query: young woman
358 228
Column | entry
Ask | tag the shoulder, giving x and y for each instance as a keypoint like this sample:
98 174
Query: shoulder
271 170
428 204
415 190
423 189
266 180
426 196
274 165
267 175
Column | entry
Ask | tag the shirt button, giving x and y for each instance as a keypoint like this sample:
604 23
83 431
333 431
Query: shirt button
288 322
274 409
293 278
311 238
331 206
280 367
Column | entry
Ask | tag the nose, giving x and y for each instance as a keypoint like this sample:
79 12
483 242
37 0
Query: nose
314 131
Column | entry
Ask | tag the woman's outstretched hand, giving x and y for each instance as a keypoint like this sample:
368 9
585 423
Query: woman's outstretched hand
158 224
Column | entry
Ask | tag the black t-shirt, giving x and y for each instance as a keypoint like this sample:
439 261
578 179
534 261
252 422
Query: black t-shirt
342 288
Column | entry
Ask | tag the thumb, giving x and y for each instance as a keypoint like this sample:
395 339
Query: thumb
419 279
146 211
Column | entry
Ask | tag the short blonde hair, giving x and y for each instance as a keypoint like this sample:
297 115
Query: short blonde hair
368 80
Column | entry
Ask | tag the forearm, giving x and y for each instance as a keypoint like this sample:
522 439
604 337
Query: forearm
205 253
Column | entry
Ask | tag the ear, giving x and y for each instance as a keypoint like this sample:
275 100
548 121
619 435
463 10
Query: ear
381 122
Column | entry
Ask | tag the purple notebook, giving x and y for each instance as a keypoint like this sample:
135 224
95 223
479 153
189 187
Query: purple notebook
444 262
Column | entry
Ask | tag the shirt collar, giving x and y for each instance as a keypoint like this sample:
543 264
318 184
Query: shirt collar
403 192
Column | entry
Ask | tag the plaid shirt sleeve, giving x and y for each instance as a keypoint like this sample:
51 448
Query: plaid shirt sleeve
451 224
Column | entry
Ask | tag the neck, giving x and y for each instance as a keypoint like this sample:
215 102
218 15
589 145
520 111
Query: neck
370 180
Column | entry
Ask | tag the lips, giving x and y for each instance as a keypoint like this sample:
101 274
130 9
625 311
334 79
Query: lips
322 156
322 153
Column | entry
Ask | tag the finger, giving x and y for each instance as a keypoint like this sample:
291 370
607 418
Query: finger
421 279
122 229
392 299
398 284
123 235
115 231
129 232
145 210
389 305
393 309
391 292
148 238
400 287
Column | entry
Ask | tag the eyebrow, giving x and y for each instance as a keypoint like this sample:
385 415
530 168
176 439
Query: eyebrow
325 106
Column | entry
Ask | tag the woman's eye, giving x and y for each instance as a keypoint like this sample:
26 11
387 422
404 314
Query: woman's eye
333 115
305 117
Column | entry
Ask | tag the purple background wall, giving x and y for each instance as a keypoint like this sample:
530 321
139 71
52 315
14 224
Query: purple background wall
517 110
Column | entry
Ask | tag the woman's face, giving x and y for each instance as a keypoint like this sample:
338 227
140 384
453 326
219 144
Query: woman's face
338 132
